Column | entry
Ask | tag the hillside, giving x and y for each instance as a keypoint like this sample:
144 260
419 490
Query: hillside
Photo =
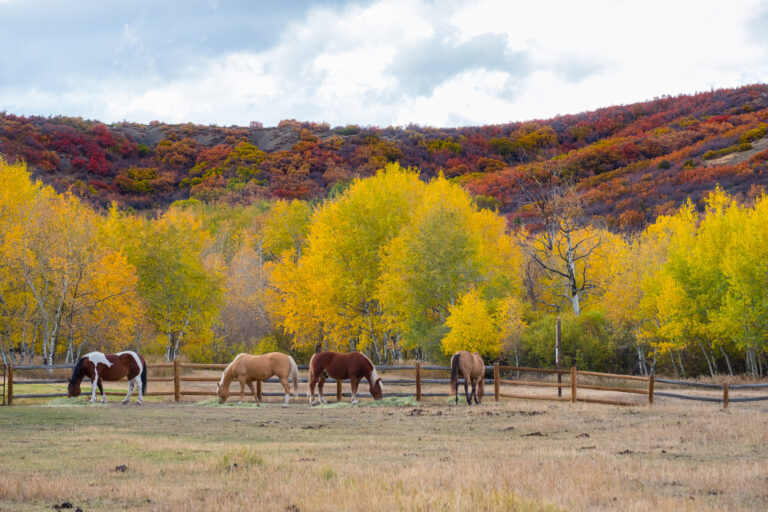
631 162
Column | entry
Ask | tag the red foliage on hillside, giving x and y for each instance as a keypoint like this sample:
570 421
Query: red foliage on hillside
632 162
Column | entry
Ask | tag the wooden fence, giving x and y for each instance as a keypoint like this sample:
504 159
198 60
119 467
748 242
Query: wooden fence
575 380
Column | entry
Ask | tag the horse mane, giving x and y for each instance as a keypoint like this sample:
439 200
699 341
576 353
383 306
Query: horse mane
78 368
227 370
374 375
311 371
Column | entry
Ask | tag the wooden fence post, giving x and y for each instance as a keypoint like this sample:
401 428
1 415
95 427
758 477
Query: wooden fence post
338 390
10 384
573 384
651 381
418 381
496 383
176 381
725 395
258 389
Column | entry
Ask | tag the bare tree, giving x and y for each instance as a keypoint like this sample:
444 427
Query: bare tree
561 251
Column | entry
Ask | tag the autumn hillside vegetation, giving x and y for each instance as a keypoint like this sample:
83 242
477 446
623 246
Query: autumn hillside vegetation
393 265
632 162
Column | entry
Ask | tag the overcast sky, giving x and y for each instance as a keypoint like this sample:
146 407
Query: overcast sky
387 62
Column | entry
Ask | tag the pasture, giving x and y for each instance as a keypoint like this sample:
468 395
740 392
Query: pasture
513 455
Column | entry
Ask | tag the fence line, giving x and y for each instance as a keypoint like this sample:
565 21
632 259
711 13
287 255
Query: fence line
572 383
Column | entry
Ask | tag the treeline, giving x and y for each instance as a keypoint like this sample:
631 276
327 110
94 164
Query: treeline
393 266
633 162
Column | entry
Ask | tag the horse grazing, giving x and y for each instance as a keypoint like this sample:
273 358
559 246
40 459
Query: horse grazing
99 366
472 368
246 368
353 366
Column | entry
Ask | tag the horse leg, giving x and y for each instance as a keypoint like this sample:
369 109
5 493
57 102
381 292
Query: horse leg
353 383
311 392
130 390
320 389
255 396
101 389
140 390
94 383
466 390
287 388
480 389
474 391
241 380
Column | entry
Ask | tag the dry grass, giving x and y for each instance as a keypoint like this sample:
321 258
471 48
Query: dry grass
519 455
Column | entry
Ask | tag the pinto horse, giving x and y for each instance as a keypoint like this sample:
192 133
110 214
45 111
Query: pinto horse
246 368
99 366
353 366
472 369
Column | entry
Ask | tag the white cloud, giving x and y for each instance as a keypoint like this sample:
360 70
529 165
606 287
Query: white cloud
432 63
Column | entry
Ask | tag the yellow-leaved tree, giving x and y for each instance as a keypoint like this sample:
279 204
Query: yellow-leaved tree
446 248
326 297
181 296
472 327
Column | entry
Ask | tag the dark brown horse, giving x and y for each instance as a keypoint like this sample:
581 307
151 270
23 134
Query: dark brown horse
353 366
98 366
472 368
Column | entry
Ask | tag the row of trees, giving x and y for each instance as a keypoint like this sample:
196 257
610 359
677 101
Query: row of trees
392 266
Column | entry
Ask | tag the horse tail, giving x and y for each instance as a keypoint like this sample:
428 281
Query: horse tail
143 376
294 375
455 374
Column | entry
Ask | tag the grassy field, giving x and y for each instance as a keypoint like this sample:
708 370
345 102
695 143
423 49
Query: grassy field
519 455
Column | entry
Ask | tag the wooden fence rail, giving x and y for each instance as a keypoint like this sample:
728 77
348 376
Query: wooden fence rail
573 382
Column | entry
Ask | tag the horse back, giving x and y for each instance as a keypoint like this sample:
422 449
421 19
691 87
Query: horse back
261 367
345 366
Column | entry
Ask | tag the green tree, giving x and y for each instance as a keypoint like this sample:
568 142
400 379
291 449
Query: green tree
182 297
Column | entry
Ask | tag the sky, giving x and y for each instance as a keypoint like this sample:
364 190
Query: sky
376 62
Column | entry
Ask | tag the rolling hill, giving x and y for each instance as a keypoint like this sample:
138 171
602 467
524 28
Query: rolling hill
631 162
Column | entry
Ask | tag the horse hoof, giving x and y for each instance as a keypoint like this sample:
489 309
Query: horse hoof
313 404
139 403
354 402
124 402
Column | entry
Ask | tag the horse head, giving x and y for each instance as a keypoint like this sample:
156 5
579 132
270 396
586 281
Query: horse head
73 388
223 392
375 385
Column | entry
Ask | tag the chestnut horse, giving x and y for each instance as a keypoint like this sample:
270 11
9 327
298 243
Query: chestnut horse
99 366
246 368
472 368
353 366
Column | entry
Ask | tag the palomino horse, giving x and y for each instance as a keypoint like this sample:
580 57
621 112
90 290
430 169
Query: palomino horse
99 366
472 368
247 368
353 366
